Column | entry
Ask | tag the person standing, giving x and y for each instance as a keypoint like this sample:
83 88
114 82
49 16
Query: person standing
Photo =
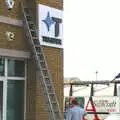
75 113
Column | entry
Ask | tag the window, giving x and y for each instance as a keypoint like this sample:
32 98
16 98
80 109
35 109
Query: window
12 82
15 100
16 68
2 62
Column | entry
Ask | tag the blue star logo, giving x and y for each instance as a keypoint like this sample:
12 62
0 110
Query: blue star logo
48 21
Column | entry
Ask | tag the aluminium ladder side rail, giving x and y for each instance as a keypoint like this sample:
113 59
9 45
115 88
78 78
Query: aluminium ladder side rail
45 80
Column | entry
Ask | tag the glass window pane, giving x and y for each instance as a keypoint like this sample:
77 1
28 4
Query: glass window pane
16 68
15 100
2 62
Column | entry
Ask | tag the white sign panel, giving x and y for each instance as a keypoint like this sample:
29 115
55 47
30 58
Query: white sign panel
50 26
104 103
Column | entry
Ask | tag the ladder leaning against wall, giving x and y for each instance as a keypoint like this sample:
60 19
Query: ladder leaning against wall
38 55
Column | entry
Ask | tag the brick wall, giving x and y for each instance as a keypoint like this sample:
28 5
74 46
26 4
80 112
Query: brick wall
53 3
18 43
14 13
35 108
35 102
54 59
31 88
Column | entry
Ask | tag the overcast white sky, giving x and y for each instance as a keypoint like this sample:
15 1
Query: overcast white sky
91 39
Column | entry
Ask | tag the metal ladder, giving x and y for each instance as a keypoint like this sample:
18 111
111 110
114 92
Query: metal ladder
39 58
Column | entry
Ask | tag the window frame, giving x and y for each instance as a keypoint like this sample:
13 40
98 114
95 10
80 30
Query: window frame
5 78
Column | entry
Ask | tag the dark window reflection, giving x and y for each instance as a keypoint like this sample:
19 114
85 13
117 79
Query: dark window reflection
16 68
15 100
2 62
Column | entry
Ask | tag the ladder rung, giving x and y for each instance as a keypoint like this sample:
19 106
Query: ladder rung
39 53
43 68
38 46
32 30
51 93
54 102
56 111
46 77
48 85
45 71
30 22
35 38
27 15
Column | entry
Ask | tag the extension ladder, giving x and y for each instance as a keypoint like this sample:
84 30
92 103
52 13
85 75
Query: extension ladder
39 58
